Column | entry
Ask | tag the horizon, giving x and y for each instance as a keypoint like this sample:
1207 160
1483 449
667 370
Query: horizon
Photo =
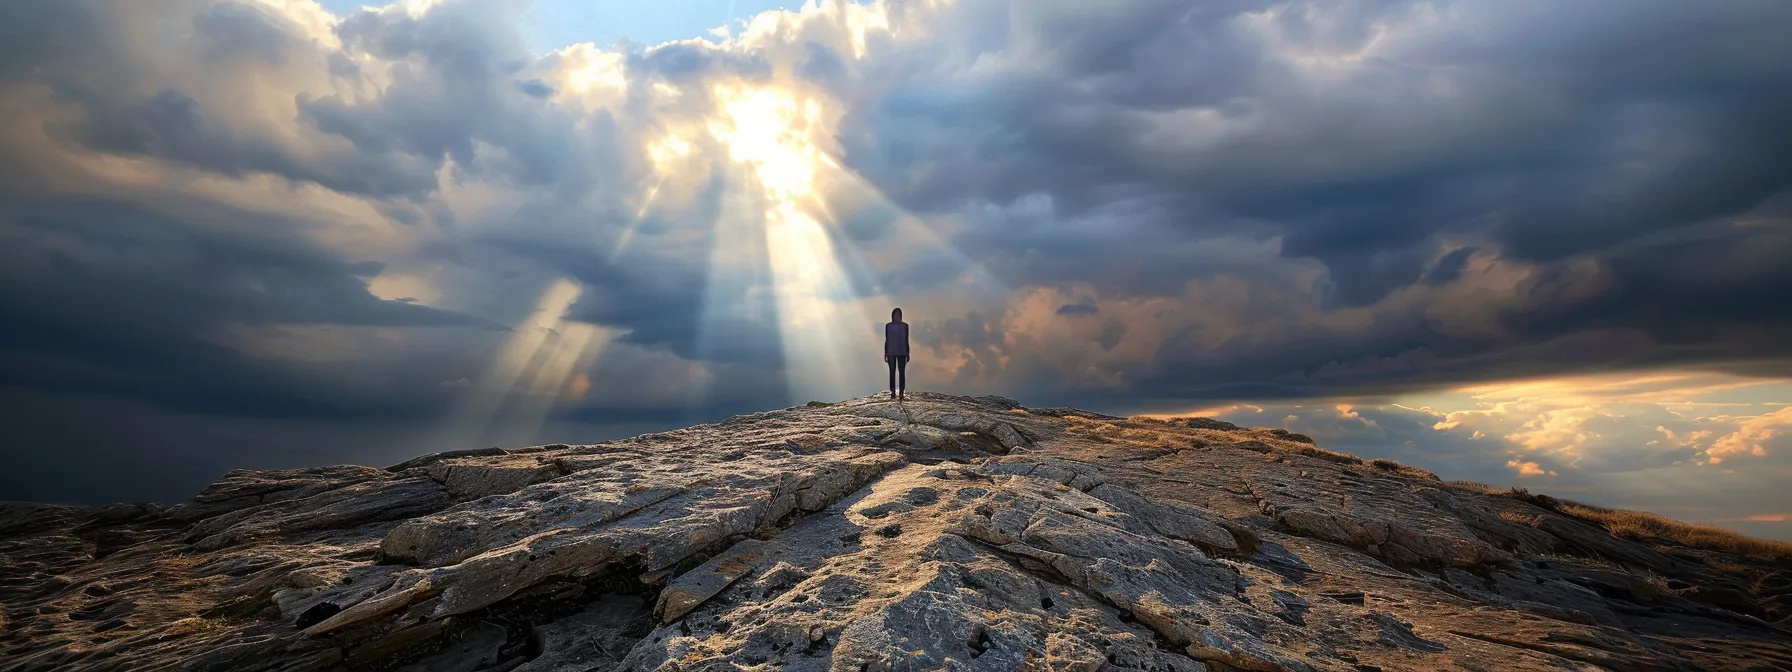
1508 242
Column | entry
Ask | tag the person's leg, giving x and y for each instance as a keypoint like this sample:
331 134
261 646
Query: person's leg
891 361
902 375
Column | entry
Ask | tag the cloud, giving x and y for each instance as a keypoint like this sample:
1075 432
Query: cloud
1529 468
1752 436
1658 441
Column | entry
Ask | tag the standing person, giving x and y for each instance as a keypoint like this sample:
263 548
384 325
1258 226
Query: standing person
896 352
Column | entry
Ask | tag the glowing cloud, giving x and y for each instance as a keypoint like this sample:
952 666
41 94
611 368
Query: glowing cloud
1526 468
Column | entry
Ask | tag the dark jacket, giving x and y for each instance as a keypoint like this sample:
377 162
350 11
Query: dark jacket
896 339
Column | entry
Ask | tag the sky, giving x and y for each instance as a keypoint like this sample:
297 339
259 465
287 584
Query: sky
1524 242
547 25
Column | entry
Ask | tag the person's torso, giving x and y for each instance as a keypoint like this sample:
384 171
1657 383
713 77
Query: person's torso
896 339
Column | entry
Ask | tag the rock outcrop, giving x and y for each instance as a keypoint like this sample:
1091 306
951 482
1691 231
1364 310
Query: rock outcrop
945 533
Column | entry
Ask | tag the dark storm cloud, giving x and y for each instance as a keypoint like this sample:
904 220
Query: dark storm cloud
1704 295
171 125
1449 268
1534 132
1711 297
131 301
1537 120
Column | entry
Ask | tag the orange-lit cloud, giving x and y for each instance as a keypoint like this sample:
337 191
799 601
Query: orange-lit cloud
1767 518
1529 468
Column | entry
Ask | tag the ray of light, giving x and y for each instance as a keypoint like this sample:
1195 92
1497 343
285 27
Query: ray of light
814 314
914 230
736 317
765 130
529 358
628 234
579 344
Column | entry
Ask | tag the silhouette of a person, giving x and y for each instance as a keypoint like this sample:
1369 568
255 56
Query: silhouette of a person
896 352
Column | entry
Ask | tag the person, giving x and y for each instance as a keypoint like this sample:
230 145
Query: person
896 352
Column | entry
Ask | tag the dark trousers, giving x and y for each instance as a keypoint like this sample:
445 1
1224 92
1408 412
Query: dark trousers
898 372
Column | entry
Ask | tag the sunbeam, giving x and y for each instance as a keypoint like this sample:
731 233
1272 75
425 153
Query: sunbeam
911 228
578 345
628 234
766 129
529 374
816 316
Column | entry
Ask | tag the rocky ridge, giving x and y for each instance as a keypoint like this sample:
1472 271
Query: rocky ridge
943 533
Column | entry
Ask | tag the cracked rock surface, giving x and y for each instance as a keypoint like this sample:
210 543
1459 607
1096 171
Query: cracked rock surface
942 533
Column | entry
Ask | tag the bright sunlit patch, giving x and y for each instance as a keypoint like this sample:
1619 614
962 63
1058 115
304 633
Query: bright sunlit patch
863 19
417 8
589 76
404 288
666 150
666 93
768 129
595 68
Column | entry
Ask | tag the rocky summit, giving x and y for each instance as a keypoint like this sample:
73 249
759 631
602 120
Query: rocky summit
946 533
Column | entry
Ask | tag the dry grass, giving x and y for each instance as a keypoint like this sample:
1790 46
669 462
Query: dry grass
1521 519
1653 529
1385 464
1478 488
1329 456
1136 435
1148 420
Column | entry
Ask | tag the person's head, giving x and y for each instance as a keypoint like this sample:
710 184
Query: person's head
896 315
